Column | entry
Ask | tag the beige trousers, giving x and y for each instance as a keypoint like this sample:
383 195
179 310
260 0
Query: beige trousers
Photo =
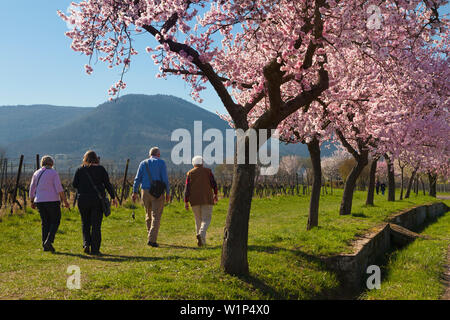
153 211
203 214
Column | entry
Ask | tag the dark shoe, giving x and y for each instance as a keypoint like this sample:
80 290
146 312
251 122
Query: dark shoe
87 250
48 247
153 244
96 253
199 240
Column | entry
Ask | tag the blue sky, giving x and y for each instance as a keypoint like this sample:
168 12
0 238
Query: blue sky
38 66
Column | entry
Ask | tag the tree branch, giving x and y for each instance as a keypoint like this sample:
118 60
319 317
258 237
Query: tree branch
199 73
235 110
347 145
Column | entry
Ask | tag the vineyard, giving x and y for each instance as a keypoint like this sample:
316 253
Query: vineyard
15 178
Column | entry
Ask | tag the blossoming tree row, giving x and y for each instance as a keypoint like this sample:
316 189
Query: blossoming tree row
349 70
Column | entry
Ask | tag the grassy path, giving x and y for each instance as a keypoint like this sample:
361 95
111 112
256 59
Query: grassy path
446 295
283 256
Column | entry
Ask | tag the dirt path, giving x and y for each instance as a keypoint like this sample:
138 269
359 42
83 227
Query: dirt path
446 277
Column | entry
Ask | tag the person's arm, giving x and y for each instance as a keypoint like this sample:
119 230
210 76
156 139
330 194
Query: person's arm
33 188
63 198
138 179
59 189
109 187
108 184
165 177
213 183
33 191
187 191
76 182
137 182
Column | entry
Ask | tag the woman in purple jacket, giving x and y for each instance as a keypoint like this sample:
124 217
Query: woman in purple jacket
46 192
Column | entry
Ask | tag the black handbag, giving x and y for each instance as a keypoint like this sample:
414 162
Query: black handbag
157 187
106 204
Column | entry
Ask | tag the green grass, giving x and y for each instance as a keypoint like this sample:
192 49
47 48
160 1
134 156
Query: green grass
443 194
414 272
283 256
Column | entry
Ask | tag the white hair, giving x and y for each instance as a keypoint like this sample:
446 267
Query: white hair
197 161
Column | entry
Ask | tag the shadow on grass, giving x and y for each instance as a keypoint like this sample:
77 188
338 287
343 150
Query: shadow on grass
275 293
260 285
174 246
359 215
123 258
297 252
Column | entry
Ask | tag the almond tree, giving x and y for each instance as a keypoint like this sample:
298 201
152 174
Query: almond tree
249 51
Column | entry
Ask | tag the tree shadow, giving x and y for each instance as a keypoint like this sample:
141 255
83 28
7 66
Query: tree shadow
124 258
296 251
359 215
278 294
174 246
260 285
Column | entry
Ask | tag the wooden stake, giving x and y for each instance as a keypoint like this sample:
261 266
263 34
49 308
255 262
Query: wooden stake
124 185
19 171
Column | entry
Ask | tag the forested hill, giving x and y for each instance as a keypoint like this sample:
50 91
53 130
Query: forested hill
117 130
24 122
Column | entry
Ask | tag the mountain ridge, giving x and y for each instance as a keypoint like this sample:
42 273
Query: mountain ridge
114 134
30 119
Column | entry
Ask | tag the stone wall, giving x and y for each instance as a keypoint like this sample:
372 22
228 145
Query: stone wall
414 219
372 248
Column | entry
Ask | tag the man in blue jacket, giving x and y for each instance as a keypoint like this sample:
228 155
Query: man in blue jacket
153 206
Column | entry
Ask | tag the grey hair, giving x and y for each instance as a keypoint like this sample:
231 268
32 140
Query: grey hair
47 161
154 151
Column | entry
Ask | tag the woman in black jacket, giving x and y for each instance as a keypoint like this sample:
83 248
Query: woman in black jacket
88 201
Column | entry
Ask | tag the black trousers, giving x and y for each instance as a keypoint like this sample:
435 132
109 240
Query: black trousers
50 213
91 222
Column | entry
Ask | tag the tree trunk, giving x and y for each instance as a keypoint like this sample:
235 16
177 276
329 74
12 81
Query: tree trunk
350 183
423 186
372 177
432 178
314 153
331 185
234 250
124 184
307 183
410 183
401 183
416 186
391 178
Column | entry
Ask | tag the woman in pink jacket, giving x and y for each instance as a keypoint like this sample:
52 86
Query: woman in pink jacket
46 193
